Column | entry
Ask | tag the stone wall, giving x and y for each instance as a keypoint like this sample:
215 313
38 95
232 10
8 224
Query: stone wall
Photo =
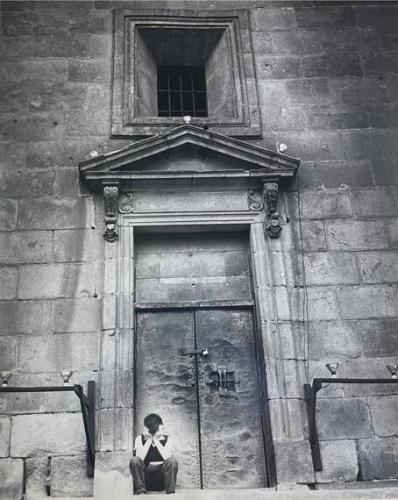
327 78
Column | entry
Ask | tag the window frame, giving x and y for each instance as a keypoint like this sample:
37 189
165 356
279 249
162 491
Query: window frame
126 118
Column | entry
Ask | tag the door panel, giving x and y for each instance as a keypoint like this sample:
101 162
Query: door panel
231 432
165 384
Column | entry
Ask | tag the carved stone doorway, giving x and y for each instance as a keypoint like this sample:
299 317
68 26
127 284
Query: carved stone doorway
196 356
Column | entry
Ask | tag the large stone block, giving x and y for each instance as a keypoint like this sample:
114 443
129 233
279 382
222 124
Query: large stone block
368 301
323 268
356 235
36 472
383 411
26 185
322 303
293 462
11 478
325 205
393 233
25 317
8 282
339 460
82 315
339 418
89 70
56 214
376 202
378 458
42 126
324 16
74 351
8 215
280 66
270 19
332 64
25 247
8 353
112 475
57 281
333 339
378 267
378 16
311 236
49 434
5 429
335 174
68 477
379 337
77 245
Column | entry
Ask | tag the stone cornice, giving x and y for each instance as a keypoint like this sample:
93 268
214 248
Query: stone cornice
124 166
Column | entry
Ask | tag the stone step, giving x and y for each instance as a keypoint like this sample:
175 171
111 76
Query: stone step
297 493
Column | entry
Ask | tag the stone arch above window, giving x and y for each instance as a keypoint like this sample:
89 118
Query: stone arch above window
218 42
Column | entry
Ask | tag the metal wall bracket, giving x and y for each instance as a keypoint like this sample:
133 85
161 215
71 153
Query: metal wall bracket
87 406
310 393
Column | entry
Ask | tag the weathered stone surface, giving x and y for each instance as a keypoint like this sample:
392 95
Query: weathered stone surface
335 174
8 215
36 471
339 460
368 301
49 434
274 19
378 458
55 214
68 477
25 247
325 16
59 352
25 317
89 70
83 315
8 282
11 478
376 202
57 281
325 205
383 411
112 475
293 462
8 353
330 268
332 64
76 245
343 418
26 185
5 428
378 267
379 337
356 235
311 236
393 233
333 339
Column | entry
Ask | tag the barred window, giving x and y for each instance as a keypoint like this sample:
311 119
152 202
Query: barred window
182 91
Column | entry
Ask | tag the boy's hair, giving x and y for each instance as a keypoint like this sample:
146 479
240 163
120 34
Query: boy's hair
152 422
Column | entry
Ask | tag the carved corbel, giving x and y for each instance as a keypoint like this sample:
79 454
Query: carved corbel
111 194
271 192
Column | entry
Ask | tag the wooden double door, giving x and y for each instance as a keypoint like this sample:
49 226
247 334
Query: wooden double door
196 367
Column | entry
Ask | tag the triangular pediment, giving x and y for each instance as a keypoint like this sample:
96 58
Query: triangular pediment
186 150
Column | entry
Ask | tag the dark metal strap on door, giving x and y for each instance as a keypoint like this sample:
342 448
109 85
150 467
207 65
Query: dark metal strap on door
87 406
310 393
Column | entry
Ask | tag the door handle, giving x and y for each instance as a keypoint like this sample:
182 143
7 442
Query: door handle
201 352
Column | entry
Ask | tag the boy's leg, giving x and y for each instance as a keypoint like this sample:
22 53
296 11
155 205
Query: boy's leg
170 468
137 468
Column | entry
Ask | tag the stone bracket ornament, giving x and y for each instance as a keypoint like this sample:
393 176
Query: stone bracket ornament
254 200
126 203
111 194
271 193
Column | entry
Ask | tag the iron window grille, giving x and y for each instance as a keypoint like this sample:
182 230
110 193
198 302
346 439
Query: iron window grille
182 91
